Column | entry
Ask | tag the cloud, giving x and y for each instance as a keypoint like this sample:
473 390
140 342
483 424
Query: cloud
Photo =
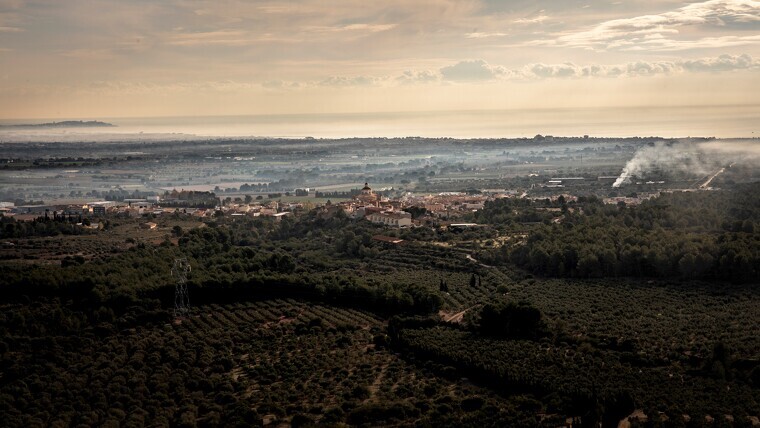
665 45
120 88
10 20
721 12
409 77
472 70
557 70
274 84
465 72
478 35
658 32
88 54
478 70
342 81
278 8
359 28
368 27
211 38
650 68
723 63
536 20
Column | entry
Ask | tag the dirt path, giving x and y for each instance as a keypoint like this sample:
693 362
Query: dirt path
377 382
456 317
706 184
472 259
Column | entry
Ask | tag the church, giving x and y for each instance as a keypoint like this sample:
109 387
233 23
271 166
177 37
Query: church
367 196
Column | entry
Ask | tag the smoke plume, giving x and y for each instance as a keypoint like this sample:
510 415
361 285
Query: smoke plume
689 157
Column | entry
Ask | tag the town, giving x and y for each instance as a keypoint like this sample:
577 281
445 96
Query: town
409 210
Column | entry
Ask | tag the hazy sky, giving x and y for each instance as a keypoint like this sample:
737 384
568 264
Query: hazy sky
115 58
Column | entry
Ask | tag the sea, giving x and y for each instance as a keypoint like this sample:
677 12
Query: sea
728 121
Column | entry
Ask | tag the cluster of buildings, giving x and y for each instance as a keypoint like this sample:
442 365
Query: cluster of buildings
631 200
135 208
438 208
443 209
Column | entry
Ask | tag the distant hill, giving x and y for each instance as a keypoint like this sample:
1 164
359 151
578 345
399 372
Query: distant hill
64 124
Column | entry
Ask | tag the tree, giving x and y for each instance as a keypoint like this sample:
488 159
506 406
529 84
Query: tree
511 319
688 265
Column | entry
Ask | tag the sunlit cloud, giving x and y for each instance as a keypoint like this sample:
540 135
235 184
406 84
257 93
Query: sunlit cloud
664 45
659 32
367 27
535 20
479 35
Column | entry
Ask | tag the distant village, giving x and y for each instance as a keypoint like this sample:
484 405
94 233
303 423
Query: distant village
409 210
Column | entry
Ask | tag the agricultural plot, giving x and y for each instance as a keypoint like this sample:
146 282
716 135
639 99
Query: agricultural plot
265 362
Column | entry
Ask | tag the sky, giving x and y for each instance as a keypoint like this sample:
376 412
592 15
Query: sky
92 59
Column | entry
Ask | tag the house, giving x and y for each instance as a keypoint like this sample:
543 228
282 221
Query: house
268 212
26 217
141 204
393 218
38 209
366 211
435 207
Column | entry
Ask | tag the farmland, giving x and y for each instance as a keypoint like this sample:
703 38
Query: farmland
311 321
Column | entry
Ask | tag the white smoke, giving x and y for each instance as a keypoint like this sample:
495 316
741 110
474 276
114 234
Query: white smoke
689 157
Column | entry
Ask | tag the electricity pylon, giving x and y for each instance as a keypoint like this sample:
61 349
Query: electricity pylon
181 299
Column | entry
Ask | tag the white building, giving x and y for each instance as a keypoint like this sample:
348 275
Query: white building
395 218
